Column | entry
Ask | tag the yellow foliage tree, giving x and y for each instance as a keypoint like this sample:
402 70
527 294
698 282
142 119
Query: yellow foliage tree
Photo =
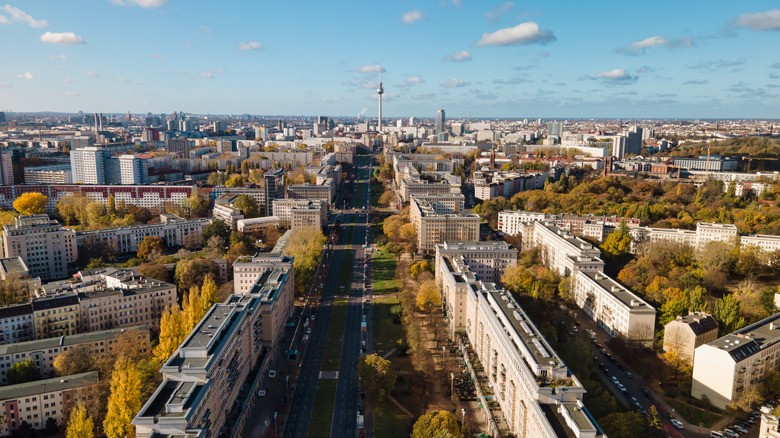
80 424
208 294
124 401
31 203
428 296
172 333
193 308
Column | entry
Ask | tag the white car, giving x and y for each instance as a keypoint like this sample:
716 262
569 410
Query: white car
676 423
261 393
272 374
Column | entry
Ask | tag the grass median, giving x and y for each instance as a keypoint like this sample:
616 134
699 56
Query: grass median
389 420
331 358
383 264
322 412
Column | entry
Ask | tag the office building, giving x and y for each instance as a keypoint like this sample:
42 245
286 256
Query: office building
282 208
731 365
487 260
273 187
439 218
712 163
686 333
440 122
43 244
36 402
326 191
203 378
172 229
308 216
55 174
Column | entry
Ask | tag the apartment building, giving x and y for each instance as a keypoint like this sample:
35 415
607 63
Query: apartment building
512 221
411 187
35 402
172 229
55 174
439 218
246 270
561 251
308 216
203 378
506 184
453 277
43 244
588 226
727 367
43 352
487 260
326 191
56 316
257 224
686 333
712 163
16 323
613 307
764 242
282 208
14 270
226 212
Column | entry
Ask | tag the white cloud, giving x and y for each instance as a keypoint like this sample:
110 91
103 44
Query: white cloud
455 82
26 76
616 76
523 33
156 56
210 74
58 57
176 73
254 45
696 82
459 56
369 85
92 74
66 38
20 16
325 100
4 84
412 16
639 47
140 3
204 29
413 80
768 20
67 80
4 20
369 69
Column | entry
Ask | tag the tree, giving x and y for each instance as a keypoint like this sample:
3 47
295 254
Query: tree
655 420
376 374
434 422
248 206
75 360
747 400
80 424
617 243
727 313
190 272
192 308
22 372
151 247
622 424
172 333
216 228
124 401
208 294
306 248
31 203
154 270
387 198
428 296
235 181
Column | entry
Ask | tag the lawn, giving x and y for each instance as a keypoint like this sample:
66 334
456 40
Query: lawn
322 411
345 276
338 319
385 331
692 414
389 421
383 264
376 192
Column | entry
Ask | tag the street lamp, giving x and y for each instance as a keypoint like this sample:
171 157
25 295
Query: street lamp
452 384
462 411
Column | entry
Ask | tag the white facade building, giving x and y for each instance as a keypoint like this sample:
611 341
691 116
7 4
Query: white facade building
487 260
44 245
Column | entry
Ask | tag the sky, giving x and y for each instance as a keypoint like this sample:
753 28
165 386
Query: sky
549 59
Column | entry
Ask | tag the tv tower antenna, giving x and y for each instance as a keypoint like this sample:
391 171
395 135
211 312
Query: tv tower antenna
380 91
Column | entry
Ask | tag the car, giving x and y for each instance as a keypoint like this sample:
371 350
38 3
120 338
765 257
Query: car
261 393
364 318
730 433
361 406
634 400
272 374
308 330
607 373
739 429
622 368
645 391
621 387
629 375
676 423
615 380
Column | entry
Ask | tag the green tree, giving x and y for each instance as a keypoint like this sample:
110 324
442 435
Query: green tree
124 401
80 424
248 206
671 309
376 374
434 422
618 243
151 247
727 313
306 248
622 425
235 181
217 228
22 372
31 203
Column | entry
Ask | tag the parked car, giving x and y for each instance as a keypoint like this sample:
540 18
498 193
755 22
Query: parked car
676 423
730 433
272 374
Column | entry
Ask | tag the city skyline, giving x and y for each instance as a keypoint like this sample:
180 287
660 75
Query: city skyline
497 59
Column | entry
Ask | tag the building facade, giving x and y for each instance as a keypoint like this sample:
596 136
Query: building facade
437 219
43 244
282 208
172 229
487 260
56 174
686 333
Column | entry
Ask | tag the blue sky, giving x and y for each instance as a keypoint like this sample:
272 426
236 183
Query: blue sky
621 59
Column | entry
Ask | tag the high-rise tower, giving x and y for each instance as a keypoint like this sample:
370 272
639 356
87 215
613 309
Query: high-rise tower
440 119
380 91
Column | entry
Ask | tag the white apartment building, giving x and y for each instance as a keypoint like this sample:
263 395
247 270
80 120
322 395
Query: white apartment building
561 251
487 260
512 221
411 187
439 218
326 191
257 224
227 213
765 242
172 229
44 245
727 367
55 174
42 352
613 307
453 278
282 208
16 323
202 379
88 165
35 402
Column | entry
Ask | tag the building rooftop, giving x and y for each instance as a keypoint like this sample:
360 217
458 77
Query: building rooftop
55 384
751 339
618 291
15 310
40 304
699 322
13 266
65 341
475 246
568 237
259 220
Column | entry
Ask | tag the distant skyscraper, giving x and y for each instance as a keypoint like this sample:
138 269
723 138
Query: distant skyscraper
274 189
6 170
440 119
554 128
2 117
98 122
380 91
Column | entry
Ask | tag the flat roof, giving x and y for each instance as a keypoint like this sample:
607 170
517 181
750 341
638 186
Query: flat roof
13 265
617 290
751 339
55 384
65 341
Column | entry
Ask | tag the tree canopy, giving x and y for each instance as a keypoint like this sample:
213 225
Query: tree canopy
433 423
31 203
376 374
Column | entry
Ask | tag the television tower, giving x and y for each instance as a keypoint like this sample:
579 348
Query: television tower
380 91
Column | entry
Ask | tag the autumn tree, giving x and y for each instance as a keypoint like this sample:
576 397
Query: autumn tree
248 206
428 296
306 247
155 271
618 243
208 294
235 181
31 203
376 374
622 424
193 308
173 331
432 423
191 272
387 198
151 247
727 312
80 424
75 360
216 228
124 401
22 372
